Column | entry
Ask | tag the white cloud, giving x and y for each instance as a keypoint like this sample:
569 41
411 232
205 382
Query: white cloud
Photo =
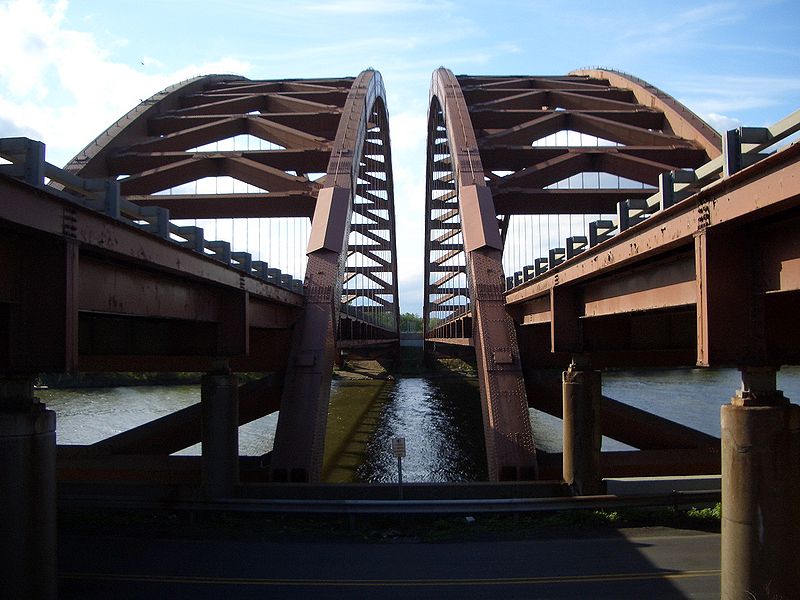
28 48
60 84
408 131
718 97
408 135
722 123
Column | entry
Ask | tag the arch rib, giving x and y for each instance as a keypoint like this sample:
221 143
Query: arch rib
683 122
133 126
509 441
335 126
300 437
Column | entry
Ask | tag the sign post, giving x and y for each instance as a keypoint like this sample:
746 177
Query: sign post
399 450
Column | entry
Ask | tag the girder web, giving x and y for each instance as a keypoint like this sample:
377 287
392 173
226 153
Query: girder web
369 278
446 285
571 160
238 160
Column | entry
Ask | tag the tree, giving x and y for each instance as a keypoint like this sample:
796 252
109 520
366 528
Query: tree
410 323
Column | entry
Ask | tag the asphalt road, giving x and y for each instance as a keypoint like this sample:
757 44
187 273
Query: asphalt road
652 563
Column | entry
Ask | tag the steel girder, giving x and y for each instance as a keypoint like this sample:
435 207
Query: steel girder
461 221
641 133
157 147
645 133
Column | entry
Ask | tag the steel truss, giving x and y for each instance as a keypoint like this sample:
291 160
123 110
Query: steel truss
329 159
484 166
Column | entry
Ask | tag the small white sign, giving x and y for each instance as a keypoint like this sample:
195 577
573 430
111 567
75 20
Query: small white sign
399 447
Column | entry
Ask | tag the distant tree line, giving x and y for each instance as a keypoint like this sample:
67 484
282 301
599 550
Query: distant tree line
410 323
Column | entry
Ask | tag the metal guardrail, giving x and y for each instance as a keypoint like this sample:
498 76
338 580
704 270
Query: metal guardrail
741 148
677 499
27 163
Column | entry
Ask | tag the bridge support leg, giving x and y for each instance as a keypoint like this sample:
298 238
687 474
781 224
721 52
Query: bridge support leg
27 492
510 451
760 490
219 399
582 392
302 421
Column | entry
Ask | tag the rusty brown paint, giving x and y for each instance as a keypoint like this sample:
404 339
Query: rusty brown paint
509 441
734 220
300 436
683 122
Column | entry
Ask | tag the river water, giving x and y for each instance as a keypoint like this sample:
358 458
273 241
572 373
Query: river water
440 418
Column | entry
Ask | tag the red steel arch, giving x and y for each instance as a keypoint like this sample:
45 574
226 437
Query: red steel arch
680 121
329 160
359 167
509 442
484 166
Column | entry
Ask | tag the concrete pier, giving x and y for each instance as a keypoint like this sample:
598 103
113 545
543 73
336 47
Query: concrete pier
760 491
27 493
582 391
220 434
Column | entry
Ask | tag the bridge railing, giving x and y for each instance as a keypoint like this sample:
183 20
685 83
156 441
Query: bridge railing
26 162
741 148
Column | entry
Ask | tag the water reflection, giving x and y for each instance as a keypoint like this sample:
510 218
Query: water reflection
440 419
88 415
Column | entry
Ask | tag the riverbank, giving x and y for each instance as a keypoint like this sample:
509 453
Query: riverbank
409 363
126 379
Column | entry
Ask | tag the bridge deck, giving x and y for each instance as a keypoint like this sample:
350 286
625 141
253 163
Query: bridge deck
138 301
693 263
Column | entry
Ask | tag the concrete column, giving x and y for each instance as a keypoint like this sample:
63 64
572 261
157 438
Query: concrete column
27 493
582 390
760 490
219 398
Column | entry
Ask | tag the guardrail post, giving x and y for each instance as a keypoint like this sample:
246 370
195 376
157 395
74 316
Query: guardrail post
666 188
112 203
731 152
600 231
34 162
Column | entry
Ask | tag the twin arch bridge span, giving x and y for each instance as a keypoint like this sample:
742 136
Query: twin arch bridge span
572 223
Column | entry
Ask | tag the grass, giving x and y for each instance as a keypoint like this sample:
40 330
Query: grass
383 529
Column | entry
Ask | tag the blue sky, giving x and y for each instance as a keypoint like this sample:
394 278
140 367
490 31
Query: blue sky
71 68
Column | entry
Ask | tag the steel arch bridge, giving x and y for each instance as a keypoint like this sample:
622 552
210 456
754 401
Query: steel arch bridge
681 248
504 147
224 147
